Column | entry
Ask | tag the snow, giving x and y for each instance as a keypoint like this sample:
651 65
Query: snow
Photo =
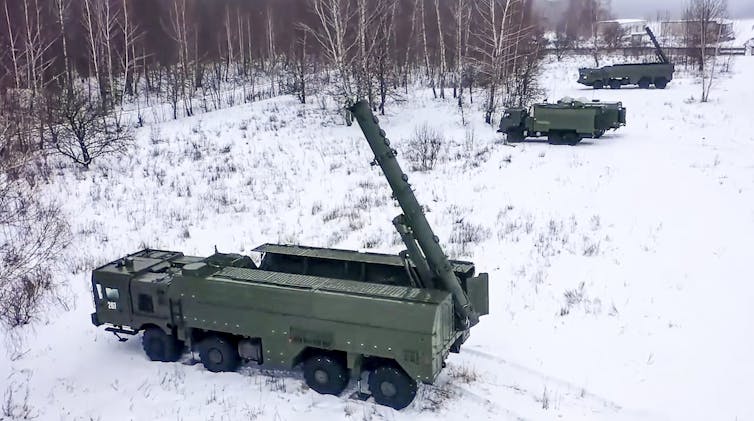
619 268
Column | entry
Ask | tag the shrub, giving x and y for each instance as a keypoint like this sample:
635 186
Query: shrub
424 147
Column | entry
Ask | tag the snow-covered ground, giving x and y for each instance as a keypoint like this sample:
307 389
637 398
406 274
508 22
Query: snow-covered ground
619 268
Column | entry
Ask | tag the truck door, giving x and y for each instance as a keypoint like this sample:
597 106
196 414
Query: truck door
149 300
111 301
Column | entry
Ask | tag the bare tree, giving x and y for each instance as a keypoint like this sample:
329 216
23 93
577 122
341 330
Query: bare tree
183 34
82 130
334 19
429 68
562 42
612 34
32 234
705 25
443 62
493 35
12 45
384 47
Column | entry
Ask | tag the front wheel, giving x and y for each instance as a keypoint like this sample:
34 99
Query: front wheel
219 353
392 387
515 135
159 346
661 83
571 138
325 374
598 84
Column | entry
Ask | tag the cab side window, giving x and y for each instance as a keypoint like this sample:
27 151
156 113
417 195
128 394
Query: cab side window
112 294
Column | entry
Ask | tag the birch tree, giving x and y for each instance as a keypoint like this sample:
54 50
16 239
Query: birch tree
705 19
442 61
335 18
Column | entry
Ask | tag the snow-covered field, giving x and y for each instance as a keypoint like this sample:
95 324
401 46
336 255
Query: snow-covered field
620 268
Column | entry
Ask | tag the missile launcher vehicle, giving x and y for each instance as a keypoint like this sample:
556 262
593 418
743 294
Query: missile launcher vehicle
386 321
566 122
642 74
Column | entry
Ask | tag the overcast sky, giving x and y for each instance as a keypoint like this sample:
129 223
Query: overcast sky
648 8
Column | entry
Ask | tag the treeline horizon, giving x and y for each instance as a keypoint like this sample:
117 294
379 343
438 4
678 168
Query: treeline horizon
175 47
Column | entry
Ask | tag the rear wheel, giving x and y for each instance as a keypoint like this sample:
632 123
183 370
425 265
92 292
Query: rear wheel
614 84
159 346
219 353
598 84
661 83
644 83
554 138
392 387
571 138
325 374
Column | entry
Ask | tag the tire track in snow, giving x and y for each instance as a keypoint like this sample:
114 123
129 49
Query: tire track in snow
563 396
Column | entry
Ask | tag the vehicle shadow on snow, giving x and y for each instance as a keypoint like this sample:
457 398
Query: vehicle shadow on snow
584 142
622 88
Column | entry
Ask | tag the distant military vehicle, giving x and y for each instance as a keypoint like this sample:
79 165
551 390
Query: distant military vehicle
566 122
388 321
642 74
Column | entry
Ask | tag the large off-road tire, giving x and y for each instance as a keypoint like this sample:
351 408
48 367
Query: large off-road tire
598 84
598 134
615 84
326 374
554 138
661 83
159 346
392 387
645 82
514 135
219 353
571 138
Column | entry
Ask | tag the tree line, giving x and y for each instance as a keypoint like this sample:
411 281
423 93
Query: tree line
189 53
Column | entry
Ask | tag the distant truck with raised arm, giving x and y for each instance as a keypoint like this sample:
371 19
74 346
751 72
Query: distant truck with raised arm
643 75
388 321
566 122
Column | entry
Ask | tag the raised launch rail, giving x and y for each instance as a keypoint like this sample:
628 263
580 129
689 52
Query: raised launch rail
422 245
658 50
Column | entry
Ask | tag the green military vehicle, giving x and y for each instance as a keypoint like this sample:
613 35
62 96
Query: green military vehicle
566 122
642 74
385 321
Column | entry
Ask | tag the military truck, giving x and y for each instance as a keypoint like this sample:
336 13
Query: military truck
566 122
642 74
385 321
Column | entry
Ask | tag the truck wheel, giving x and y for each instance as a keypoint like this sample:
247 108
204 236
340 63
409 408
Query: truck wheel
661 83
159 346
644 83
392 387
571 138
598 134
218 354
515 135
554 138
598 84
325 374
614 84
